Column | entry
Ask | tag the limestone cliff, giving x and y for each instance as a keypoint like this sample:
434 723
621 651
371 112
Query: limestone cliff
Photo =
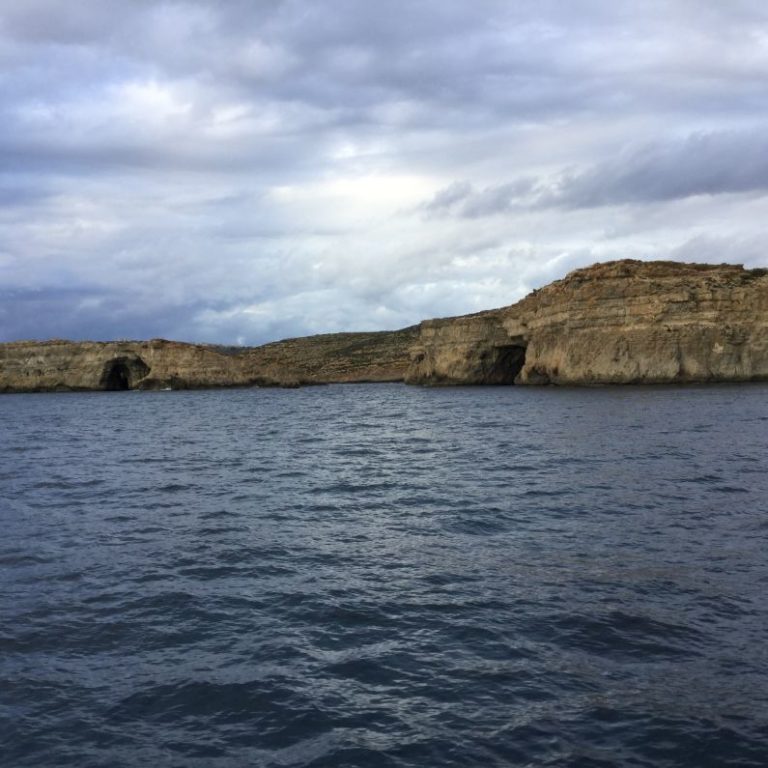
30 366
156 364
614 323
472 349
336 357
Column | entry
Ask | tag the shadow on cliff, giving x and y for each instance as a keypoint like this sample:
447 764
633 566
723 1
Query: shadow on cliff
122 373
501 365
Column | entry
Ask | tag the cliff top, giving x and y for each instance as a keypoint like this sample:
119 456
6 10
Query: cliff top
629 268
724 274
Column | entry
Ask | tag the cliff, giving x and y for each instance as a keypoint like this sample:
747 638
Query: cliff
336 357
55 366
614 323
64 365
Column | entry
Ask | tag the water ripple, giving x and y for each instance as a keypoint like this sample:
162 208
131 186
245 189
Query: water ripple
381 576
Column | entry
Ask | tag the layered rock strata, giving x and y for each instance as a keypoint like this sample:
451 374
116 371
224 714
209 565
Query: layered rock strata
614 323
63 365
51 366
336 357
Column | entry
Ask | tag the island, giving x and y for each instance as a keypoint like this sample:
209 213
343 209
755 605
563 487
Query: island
619 322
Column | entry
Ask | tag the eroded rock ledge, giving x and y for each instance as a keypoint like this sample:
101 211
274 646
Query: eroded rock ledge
620 322
614 323
59 366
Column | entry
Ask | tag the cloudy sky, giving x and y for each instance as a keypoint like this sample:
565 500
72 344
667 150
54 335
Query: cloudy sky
239 171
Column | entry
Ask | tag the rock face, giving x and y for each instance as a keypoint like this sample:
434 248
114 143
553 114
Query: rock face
63 365
336 357
472 349
615 323
50 366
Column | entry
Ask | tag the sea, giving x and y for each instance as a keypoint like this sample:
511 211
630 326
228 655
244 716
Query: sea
381 576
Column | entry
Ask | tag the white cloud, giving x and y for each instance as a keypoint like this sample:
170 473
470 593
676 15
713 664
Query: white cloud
242 171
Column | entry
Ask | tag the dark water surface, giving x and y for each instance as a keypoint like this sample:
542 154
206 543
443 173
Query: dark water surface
385 576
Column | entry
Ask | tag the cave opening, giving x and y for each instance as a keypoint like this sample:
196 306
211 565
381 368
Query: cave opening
500 364
122 373
118 378
512 360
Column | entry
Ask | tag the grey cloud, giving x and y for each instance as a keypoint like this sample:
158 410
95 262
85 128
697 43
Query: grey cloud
491 58
19 193
749 251
79 313
44 21
464 200
702 164
92 156
219 170
449 197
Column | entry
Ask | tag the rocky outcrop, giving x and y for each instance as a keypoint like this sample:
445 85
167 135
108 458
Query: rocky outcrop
614 323
336 357
55 366
64 365
473 349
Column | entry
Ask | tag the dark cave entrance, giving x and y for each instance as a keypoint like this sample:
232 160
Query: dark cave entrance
122 373
118 378
500 364
509 363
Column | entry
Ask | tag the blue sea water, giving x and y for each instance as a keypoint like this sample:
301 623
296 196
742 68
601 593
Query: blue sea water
378 575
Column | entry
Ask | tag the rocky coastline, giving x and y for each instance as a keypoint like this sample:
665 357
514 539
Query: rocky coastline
621 322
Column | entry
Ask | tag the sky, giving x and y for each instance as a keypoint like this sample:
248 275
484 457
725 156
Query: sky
240 171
